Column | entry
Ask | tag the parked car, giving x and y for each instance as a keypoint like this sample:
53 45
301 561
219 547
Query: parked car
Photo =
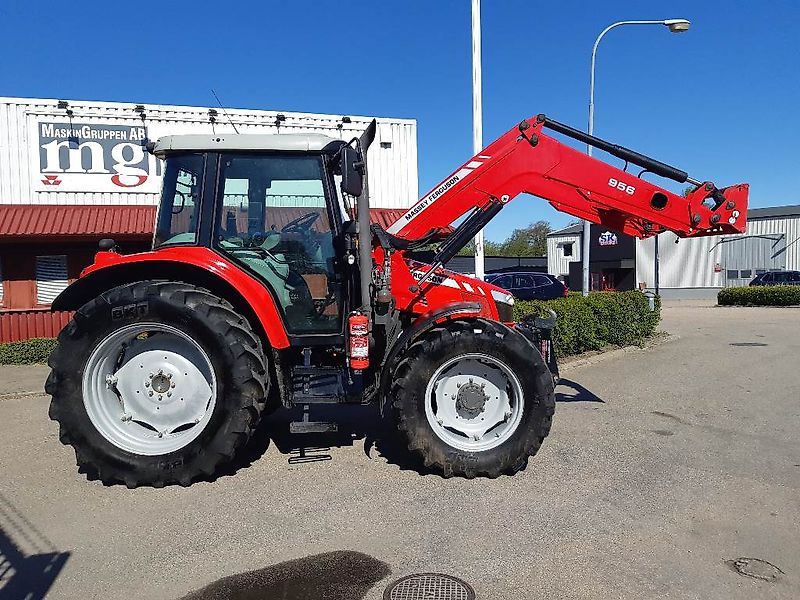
777 278
529 286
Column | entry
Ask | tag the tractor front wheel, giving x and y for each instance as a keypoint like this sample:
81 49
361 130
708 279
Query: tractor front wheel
155 383
473 398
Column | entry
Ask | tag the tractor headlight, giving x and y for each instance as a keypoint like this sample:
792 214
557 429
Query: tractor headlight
505 307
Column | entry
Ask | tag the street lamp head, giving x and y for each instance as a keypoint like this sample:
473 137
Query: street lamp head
678 25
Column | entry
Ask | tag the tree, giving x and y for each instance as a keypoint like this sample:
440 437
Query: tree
526 241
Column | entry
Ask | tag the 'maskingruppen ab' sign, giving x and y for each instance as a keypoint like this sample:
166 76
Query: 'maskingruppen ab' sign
92 156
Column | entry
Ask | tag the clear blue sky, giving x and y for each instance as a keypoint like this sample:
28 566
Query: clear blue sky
720 101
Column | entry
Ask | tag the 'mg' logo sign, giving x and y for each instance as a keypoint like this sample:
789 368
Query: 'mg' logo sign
95 157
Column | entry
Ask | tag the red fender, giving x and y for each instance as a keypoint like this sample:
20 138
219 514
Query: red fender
107 264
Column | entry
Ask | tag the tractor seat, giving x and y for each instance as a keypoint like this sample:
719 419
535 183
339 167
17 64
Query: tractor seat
274 272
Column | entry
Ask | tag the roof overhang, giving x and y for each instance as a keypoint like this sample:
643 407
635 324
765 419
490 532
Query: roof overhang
50 222
245 142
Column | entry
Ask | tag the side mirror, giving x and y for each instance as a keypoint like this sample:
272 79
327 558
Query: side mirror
352 168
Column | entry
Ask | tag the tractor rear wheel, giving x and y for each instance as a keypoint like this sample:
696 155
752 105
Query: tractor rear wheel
473 398
155 383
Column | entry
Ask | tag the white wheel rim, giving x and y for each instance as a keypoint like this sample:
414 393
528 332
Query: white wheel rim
474 402
149 388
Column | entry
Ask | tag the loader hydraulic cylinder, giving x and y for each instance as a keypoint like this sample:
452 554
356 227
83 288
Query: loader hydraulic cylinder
651 164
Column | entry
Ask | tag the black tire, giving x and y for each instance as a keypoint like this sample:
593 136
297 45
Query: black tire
229 342
417 365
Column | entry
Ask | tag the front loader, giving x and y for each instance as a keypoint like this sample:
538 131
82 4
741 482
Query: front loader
267 286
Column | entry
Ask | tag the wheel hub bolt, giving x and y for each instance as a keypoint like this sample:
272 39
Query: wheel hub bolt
150 393
169 394
146 384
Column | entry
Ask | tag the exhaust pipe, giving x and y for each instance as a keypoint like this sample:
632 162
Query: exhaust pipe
364 231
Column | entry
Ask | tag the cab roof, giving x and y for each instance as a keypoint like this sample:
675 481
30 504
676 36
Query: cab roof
291 142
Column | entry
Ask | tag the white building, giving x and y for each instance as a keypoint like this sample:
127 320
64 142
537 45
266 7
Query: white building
86 152
690 268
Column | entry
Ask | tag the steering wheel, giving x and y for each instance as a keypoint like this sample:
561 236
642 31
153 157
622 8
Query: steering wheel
301 224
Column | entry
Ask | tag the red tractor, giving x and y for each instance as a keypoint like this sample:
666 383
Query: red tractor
267 287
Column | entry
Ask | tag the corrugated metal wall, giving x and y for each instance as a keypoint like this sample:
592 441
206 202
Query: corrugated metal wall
745 257
557 263
690 263
24 324
392 159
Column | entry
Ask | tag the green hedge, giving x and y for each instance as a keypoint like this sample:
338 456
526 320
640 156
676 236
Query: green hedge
762 295
28 352
597 320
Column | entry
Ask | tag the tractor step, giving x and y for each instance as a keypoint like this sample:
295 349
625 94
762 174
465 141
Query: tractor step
317 385
312 427
309 426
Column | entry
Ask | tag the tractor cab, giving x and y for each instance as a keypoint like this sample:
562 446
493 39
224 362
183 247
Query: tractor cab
269 205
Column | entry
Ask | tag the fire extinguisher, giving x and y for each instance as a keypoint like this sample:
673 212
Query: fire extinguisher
358 326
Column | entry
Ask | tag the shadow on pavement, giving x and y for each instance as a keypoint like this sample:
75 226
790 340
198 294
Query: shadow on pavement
580 393
357 424
340 575
29 563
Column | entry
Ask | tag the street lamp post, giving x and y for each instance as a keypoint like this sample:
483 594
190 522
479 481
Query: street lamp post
477 117
675 26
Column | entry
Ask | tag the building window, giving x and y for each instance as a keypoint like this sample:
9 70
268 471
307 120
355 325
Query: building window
51 277
1 283
746 273
733 274
567 249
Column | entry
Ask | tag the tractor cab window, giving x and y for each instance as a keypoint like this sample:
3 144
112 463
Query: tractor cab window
274 221
180 200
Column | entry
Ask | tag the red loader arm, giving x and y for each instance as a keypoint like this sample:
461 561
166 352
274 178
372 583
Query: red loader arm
526 160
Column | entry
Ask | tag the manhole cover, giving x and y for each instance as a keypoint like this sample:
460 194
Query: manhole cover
756 568
429 586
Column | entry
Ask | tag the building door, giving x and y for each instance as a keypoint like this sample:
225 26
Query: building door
745 257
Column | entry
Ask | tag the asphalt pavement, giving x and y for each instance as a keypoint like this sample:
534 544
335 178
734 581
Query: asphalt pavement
664 466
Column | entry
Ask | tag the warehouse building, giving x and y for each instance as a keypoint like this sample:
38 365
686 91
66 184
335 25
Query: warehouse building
74 172
685 268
